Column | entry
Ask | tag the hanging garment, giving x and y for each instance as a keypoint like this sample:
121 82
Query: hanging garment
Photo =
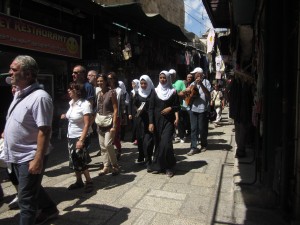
210 40
187 58
219 63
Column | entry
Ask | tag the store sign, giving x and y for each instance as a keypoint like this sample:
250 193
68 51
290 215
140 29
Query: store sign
25 34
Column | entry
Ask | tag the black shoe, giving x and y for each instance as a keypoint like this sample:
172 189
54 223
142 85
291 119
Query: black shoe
240 154
14 204
76 185
89 187
45 215
169 173
149 170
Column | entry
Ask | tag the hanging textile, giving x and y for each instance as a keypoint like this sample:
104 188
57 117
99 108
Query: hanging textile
220 67
210 40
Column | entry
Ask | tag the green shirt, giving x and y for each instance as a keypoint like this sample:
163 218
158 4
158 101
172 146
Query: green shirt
180 86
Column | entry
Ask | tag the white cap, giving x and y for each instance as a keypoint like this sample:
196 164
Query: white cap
172 71
197 70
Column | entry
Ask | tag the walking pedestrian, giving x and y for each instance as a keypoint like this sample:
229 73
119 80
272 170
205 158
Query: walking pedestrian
107 109
26 140
79 131
179 86
164 106
114 85
124 115
144 120
132 110
198 112
217 102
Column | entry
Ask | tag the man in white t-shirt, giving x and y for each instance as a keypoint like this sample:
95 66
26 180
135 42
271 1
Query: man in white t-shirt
198 112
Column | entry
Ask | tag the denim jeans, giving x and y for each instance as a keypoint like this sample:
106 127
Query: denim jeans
31 194
199 125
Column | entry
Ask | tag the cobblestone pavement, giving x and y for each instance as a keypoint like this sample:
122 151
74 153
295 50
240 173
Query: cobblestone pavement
202 191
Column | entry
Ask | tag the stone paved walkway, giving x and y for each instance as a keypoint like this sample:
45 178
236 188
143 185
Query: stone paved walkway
200 193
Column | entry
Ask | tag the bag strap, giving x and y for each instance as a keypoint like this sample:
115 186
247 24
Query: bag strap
216 96
20 99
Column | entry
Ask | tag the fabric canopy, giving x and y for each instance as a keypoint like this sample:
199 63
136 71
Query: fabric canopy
134 17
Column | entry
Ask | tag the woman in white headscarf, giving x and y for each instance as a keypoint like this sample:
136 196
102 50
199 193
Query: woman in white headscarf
165 107
132 109
124 120
144 120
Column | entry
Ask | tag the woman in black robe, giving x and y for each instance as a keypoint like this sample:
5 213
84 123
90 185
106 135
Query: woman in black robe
165 106
144 135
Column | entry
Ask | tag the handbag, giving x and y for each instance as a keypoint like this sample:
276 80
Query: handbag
104 121
213 102
212 114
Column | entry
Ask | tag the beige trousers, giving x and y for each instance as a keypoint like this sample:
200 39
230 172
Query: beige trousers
107 148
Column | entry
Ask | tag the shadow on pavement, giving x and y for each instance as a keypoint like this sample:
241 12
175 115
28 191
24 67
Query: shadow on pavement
184 167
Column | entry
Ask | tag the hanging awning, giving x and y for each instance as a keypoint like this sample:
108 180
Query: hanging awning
218 12
131 15
226 13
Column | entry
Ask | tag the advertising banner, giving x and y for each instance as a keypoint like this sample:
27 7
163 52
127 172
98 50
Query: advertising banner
28 35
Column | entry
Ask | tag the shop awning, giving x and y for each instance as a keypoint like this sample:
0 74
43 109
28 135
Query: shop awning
218 12
133 16
226 13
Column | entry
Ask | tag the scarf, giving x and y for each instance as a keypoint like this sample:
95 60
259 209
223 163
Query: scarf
137 85
146 92
164 92
122 86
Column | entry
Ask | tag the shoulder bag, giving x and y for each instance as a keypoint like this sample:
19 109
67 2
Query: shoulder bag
103 120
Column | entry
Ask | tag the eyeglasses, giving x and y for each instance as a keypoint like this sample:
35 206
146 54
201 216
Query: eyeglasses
75 72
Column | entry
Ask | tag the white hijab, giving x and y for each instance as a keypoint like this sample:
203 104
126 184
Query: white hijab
137 85
122 86
146 92
164 92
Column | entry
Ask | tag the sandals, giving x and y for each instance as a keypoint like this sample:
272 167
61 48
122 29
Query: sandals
104 171
89 187
76 185
115 170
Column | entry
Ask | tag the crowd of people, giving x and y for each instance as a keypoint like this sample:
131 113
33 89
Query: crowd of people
100 103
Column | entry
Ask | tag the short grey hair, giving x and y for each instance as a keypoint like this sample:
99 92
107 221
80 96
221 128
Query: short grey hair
28 65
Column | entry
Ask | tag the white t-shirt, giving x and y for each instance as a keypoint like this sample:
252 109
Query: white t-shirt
75 116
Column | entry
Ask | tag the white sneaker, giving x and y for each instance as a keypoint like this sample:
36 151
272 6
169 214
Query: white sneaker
14 203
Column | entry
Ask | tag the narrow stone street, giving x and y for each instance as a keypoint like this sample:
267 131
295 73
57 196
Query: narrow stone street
202 192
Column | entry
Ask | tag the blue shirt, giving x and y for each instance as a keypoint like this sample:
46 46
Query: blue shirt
21 128
90 91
